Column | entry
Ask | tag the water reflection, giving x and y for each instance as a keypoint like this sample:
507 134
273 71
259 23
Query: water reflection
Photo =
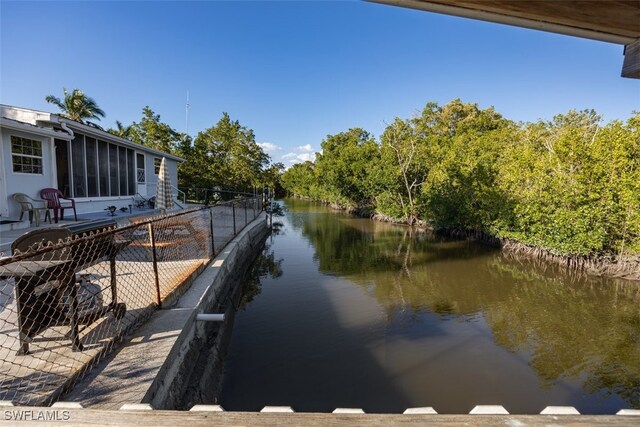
266 265
571 327
456 323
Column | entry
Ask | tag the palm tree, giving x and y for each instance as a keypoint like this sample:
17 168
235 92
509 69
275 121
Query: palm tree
121 130
77 106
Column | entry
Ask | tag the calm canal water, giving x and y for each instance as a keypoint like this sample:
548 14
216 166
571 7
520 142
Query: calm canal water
348 312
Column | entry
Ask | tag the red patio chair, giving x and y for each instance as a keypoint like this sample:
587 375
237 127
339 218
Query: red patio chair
54 196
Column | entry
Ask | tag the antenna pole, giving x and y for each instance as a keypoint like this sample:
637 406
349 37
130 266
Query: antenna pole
187 114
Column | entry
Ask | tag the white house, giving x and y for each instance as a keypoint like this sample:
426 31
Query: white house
44 150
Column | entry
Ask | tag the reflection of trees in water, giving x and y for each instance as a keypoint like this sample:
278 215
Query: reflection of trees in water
346 245
571 325
277 228
265 265
542 267
616 378
276 209
397 260
583 327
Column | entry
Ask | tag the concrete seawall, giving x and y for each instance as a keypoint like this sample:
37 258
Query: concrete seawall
188 370
158 363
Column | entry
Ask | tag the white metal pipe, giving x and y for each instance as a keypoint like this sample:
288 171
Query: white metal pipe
209 317
64 127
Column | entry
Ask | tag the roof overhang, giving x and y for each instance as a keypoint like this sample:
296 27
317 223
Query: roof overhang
43 123
33 129
610 21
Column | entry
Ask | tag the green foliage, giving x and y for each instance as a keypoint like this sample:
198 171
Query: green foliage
575 185
403 167
77 106
341 174
300 179
152 132
271 177
344 164
227 155
464 145
120 130
570 184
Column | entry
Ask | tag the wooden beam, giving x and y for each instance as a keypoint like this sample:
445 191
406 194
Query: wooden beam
631 64
19 416
608 20
621 18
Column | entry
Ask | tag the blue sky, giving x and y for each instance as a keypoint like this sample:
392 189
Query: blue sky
297 71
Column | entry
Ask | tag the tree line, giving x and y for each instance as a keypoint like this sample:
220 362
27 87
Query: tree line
570 184
225 155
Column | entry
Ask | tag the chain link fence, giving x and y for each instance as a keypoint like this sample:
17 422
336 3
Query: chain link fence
212 195
69 294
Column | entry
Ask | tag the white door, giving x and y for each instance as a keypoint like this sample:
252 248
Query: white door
141 174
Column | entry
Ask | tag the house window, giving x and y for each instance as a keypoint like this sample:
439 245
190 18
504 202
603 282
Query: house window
140 168
156 165
26 155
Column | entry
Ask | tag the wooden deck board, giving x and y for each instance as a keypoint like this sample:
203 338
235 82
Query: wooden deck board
93 417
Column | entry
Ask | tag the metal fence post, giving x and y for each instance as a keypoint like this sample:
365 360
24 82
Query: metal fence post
245 211
233 206
253 204
213 247
113 273
152 241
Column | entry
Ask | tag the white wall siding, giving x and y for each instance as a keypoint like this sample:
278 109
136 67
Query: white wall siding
27 183
151 176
